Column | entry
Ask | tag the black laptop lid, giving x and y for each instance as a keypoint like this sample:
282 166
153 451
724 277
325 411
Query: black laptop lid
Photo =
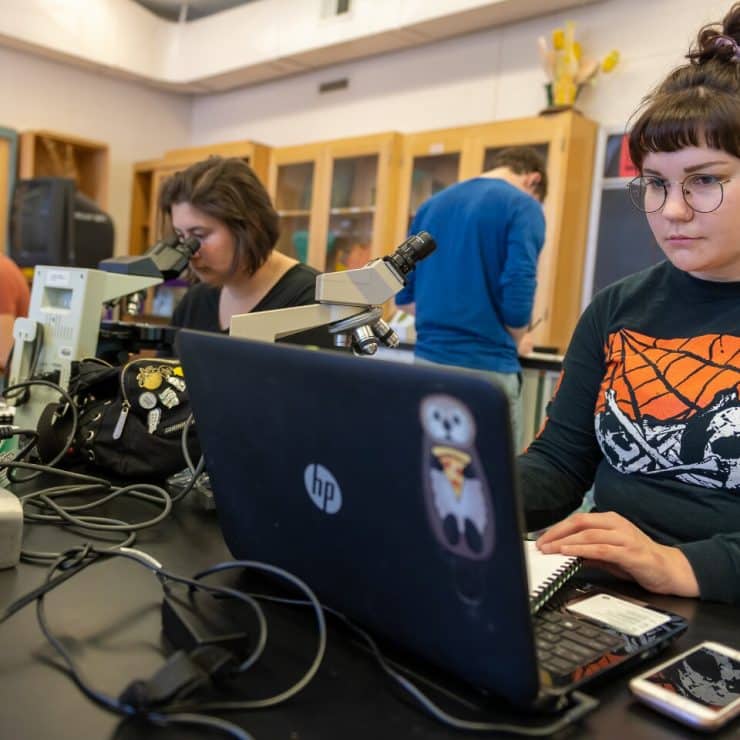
387 487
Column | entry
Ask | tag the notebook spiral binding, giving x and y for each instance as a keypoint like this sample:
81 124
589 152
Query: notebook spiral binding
553 584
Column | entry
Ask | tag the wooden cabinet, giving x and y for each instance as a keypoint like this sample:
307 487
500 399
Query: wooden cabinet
336 199
433 160
50 154
8 156
146 226
345 201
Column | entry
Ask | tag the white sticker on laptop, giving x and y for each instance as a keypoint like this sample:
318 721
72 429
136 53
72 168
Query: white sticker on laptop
620 614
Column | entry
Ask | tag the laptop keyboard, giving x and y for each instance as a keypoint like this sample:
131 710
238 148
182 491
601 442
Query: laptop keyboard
565 644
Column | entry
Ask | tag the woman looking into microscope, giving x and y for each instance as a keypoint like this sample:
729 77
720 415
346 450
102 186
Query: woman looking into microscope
221 203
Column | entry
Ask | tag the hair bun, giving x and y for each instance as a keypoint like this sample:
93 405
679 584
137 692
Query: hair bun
719 40
726 48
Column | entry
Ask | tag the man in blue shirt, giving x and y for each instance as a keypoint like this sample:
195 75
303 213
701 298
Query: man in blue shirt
473 296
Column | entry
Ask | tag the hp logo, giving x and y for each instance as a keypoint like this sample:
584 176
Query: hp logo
323 488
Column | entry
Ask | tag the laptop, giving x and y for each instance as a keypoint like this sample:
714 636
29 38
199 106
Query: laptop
390 489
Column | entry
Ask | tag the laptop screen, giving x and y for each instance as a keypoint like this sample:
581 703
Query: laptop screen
388 488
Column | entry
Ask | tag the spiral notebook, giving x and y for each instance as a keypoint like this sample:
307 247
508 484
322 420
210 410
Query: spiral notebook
546 573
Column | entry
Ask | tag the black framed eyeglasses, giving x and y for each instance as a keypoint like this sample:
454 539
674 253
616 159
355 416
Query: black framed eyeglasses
701 193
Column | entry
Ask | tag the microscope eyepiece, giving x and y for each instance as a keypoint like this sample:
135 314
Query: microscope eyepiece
190 246
415 248
166 259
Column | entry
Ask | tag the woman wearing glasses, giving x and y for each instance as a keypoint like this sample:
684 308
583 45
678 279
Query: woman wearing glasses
648 407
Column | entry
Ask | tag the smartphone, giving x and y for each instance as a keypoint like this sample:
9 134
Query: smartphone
700 687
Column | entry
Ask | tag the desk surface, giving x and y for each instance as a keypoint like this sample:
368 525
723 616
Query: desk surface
109 617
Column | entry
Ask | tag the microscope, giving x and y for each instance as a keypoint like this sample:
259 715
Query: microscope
64 325
64 322
349 303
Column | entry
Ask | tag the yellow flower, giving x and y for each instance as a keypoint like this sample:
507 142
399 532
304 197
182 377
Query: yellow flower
577 51
610 61
558 39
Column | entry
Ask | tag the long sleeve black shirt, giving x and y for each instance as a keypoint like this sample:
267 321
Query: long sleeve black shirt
648 411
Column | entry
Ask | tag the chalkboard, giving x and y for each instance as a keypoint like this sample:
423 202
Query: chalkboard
624 243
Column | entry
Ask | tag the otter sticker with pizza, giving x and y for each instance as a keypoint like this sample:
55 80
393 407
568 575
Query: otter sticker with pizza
458 500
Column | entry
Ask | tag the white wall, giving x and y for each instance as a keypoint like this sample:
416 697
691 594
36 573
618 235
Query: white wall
135 121
491 75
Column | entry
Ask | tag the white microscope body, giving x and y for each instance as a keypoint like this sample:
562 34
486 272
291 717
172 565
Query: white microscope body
62 325
64 317
349 302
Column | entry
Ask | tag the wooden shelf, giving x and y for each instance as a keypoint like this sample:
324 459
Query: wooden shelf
349 210
294 213
51 154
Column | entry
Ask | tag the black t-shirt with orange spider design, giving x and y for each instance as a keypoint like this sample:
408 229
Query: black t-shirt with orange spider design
647 410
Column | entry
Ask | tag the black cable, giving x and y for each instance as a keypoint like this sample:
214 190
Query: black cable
13 431
72 433
41 506
77 559
195 470
194 474
47 586
98 697
321 649
202 720
167 576
584 703
64 515
184 444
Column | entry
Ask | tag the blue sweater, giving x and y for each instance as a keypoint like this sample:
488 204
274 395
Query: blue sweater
482 276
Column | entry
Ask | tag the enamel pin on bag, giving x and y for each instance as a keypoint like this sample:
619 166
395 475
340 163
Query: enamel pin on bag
130 418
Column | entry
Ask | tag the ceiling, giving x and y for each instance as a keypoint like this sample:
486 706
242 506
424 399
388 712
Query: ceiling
292 43
188 10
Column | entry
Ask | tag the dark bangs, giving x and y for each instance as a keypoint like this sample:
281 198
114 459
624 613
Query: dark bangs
678 119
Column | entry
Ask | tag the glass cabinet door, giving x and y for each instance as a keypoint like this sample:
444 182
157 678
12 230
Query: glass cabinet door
352 207
293 198
430 174
430 161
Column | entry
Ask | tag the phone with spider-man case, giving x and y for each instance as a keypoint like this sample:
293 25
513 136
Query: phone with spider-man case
700 687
